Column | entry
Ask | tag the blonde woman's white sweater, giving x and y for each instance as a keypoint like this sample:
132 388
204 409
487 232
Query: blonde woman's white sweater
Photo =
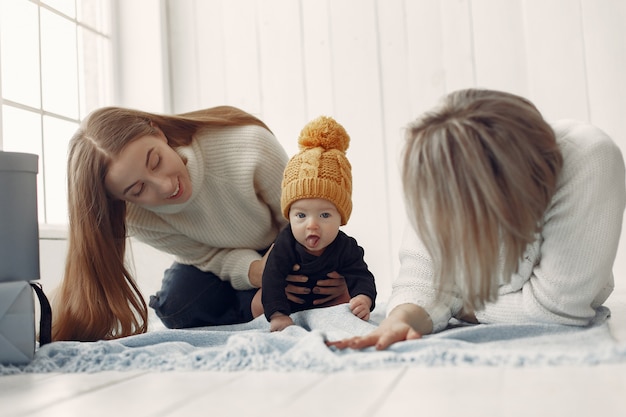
567 272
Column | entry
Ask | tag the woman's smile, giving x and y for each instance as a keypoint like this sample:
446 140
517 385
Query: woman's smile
150 183
177 192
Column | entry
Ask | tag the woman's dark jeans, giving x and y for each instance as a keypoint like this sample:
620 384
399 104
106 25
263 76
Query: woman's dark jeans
190 297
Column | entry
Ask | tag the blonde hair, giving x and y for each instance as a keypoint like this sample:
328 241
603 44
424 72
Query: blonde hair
98 298
478 172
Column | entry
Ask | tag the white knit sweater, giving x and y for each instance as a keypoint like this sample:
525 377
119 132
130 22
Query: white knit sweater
234 210
567 272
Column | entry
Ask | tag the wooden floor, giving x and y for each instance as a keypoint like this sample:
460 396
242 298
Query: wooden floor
451 391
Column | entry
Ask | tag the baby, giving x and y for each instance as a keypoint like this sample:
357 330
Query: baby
316 199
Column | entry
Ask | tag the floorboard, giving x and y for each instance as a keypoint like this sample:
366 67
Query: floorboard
509 392
256 394
147 394
39 395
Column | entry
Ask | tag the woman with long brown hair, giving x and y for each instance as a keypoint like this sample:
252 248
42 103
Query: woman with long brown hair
203 186
512 219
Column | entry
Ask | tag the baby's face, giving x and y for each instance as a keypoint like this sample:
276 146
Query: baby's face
315 223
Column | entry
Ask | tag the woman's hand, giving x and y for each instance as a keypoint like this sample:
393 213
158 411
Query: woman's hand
405 322
334 288
255 272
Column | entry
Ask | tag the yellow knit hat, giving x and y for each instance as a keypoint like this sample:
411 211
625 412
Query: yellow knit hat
320 169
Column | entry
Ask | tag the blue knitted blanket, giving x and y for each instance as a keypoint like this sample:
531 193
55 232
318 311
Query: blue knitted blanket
251 346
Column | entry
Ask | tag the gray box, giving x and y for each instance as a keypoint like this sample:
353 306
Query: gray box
19 223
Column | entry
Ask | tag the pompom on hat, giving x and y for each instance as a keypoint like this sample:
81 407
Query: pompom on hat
320 169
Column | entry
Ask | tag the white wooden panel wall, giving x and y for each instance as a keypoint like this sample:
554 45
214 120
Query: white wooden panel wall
376 64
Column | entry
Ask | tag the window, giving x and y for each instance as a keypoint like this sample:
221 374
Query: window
55 66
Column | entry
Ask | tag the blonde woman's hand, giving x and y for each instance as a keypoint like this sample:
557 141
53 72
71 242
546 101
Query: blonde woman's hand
405 322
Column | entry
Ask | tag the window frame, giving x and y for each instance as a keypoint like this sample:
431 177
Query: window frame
92 32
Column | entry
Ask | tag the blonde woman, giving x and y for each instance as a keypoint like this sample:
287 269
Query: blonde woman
203 186
513 220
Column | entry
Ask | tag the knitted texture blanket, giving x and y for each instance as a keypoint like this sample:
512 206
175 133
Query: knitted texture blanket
251 346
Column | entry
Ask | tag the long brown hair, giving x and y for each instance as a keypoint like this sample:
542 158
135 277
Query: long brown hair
99 298
478 172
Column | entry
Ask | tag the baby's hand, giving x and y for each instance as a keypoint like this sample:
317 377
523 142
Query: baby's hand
360 306
279 322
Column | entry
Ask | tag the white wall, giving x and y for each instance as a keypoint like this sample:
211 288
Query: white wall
374 65
142 69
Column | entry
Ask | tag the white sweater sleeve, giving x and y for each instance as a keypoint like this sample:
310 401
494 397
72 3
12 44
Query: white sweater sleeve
415 283
572 274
